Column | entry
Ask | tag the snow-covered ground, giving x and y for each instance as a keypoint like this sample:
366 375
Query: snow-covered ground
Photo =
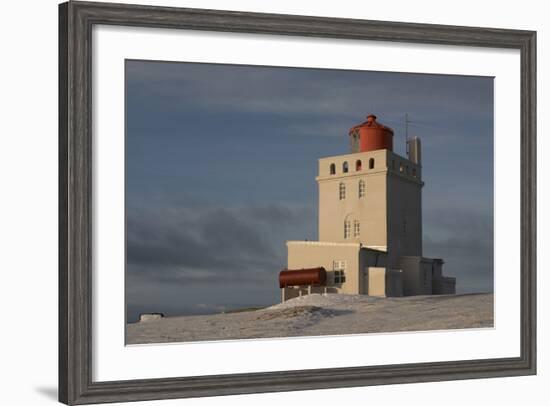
331 314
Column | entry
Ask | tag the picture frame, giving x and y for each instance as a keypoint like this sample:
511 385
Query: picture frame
76 351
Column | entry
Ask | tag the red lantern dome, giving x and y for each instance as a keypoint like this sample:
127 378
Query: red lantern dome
370 136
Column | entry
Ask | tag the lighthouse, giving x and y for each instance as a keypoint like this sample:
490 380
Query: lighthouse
370 224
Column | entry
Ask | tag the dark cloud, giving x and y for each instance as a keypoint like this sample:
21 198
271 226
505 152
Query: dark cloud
209 248
210 238
464 239
318 92
193 238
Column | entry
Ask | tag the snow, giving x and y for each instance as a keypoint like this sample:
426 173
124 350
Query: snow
326 300
324 314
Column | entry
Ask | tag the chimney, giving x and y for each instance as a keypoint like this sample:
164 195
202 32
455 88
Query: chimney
413 145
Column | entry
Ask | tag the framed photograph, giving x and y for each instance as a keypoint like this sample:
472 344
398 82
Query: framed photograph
257 202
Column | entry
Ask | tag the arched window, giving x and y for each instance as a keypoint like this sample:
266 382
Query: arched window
371 163
356 228
345 167
332 169
342 191
361 188
358 165
347 229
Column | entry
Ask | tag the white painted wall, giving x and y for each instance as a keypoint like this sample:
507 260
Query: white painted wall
28 204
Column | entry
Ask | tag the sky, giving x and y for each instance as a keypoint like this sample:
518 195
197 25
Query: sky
221 163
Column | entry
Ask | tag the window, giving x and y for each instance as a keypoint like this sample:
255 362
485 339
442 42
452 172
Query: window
356 228
400 167
414 172
339 268
345 167
347 229
361 189
393 164
342 191
371 163
340 264
339 277
358 165
332 169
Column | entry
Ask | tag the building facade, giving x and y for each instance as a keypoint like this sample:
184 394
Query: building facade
370 223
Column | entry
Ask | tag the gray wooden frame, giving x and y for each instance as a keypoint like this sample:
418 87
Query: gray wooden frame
75 105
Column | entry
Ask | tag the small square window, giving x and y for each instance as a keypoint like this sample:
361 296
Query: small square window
339 277
339 265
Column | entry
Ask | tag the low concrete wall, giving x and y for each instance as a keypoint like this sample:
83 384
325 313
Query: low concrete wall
423 276
444 286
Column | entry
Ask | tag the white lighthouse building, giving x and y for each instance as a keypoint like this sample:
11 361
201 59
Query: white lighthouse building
370 224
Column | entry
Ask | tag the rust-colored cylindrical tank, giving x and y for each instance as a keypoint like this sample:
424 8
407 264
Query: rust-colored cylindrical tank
297 277
370 136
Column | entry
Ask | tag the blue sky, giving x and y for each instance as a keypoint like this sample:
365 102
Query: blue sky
221 161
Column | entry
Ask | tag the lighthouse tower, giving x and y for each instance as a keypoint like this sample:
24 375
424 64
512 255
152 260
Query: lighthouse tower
372 195
370 224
